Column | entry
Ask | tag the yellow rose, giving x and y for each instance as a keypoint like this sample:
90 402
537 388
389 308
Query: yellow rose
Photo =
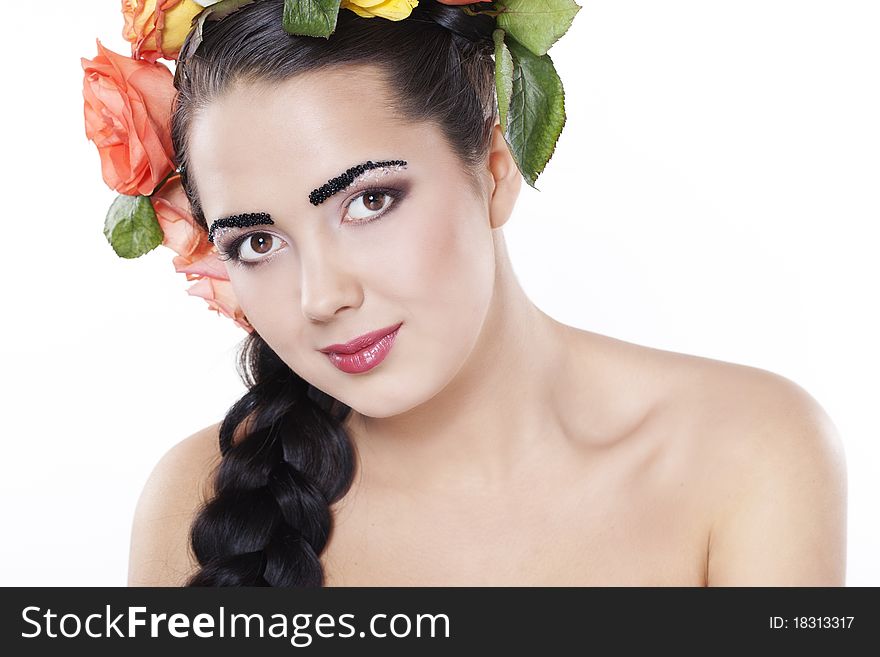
393 10
157 28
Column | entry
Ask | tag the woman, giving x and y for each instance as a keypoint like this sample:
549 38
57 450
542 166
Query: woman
357 188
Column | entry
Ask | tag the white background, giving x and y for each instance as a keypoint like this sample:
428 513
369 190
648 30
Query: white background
714 191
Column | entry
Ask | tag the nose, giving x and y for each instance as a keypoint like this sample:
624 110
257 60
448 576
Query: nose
326 285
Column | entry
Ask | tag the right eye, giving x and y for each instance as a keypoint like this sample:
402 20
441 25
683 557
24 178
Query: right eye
253 248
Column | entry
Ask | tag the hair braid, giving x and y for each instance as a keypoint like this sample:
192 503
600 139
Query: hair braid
269 519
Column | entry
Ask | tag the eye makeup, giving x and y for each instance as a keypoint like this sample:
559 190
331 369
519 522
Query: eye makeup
229 249
239 221
345 179
368 178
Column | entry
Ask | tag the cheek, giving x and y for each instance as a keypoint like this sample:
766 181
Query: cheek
267 297
444 269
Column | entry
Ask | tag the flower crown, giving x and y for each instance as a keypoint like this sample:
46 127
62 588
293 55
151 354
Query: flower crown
128 104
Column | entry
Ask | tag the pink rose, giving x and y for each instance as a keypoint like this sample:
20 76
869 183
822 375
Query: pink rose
196 256
221 297
182 234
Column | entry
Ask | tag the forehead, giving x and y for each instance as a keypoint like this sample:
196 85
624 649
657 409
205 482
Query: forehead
298 133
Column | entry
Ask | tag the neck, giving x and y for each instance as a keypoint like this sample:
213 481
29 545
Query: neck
498 413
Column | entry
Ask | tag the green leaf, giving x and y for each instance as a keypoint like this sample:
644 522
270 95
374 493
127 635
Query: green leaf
537 111
503 76
131 226
537 24
315 18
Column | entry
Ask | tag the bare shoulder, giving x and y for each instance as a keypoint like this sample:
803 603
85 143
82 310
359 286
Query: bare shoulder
775 472
175 490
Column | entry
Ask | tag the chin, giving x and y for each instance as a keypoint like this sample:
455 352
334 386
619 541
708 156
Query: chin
386 396
382 404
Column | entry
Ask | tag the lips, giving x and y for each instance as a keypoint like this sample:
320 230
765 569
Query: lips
361 342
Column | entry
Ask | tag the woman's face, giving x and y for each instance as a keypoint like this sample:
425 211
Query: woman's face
419 254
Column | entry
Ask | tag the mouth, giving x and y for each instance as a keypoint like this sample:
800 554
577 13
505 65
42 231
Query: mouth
364 352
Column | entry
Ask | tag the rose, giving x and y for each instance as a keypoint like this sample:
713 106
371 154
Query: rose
393 10
196 256
220 297
127 115
157 28
182 234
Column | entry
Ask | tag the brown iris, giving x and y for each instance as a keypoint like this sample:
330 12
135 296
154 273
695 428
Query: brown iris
260 242
370 200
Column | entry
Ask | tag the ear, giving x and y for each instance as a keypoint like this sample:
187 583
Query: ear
506 178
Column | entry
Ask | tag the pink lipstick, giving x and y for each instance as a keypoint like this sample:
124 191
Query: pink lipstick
364 352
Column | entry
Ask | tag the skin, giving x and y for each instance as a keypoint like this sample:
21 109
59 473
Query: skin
495 445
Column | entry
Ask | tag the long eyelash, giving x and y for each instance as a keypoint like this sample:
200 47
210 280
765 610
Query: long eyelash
393 193
230 251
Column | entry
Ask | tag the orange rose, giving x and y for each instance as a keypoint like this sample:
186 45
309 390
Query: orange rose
157 28
128 117
196 256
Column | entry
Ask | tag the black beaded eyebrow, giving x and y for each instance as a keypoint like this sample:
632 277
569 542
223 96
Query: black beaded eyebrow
239 221
343 180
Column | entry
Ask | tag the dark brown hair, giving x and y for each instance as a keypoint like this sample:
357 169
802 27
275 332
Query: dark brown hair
286 456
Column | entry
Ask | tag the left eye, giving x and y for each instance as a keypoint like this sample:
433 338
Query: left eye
256 245
365 206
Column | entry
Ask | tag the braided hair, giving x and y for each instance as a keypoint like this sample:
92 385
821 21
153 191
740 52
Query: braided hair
286 456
